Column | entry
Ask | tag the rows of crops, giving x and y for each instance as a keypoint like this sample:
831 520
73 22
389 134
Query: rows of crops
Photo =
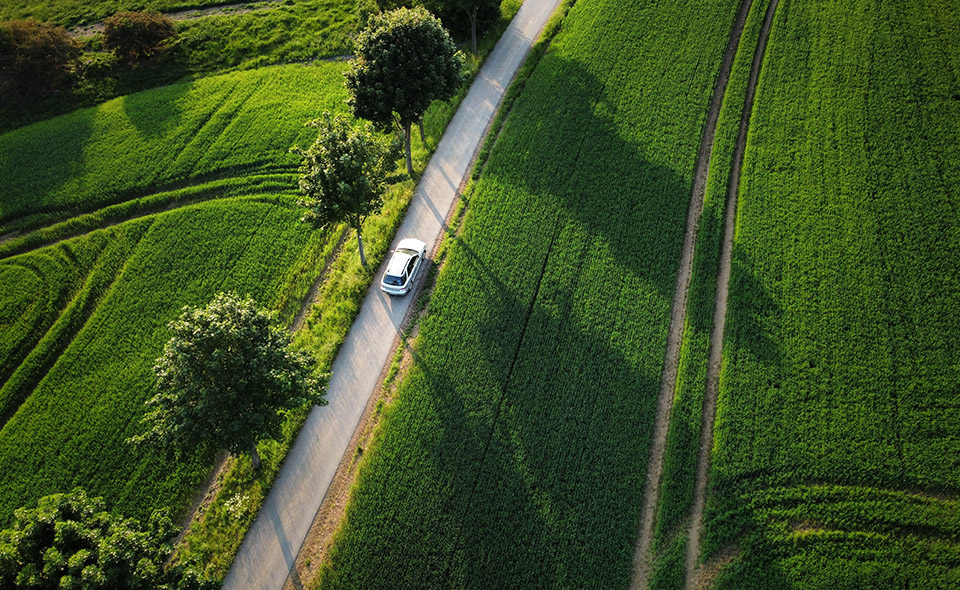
514 454
837 441
83 319
142 143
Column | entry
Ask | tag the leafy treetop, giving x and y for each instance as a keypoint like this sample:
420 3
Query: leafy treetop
224 376
344 173
69 541
405 60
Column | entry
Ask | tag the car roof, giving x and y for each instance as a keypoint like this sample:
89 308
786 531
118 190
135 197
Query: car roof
411 244
397 263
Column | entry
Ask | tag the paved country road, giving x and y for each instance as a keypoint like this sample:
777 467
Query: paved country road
271 546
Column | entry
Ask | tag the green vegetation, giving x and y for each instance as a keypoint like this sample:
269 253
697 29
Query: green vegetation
141 144
226 378
405 61
71 541
835 457
515 450
74 12
683 439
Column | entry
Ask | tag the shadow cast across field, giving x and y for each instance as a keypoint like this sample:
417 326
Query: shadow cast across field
515 452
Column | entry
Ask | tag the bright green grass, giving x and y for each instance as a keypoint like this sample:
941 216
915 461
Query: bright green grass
279 33
145 143
71 429
841 353
514 454
72 12
85 318
683 439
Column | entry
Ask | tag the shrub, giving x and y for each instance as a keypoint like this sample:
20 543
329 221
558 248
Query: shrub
36 58
136 36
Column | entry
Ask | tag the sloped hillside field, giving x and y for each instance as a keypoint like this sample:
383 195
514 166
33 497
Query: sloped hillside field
515 452
202 192
837 451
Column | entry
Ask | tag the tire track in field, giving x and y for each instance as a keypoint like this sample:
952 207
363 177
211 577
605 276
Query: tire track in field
253 185
720 312
642 558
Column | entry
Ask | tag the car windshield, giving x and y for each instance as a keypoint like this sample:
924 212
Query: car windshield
392 281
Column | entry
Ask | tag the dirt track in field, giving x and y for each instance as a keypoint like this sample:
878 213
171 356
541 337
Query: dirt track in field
719 322
642 558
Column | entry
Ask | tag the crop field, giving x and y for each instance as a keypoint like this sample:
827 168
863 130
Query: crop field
515 451
836 460
177 193
236 126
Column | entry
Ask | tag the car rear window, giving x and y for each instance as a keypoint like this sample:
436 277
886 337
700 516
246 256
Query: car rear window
392 281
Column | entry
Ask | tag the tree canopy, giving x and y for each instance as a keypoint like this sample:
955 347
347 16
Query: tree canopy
344 173
69 541
405 60
136 36
465 16
36 58
225 376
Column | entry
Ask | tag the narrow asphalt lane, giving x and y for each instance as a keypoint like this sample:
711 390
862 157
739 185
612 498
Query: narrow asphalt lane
271 546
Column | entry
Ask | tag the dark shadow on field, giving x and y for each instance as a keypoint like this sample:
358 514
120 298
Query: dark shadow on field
515 454
36 160
154 118
749 308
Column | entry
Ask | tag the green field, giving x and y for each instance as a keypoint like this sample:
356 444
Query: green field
836 459
183 170
515 452
237 126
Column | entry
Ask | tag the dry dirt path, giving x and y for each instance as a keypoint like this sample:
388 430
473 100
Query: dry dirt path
668 380
271 546
720 314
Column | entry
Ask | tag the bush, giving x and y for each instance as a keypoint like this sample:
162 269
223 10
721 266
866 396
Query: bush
136 36
36 58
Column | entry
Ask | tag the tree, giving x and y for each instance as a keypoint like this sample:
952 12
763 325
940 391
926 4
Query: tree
405 60
136 36
70 541
36 58
344 174
224 377
474 10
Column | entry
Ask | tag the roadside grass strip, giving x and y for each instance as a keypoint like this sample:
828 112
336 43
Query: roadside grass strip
161 140
515 450
840 363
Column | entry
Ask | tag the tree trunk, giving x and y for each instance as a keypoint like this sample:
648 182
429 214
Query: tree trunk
255 457
406 148
473 29
423 138
363 259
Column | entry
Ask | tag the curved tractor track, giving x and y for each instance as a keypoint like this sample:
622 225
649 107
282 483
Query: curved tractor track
643 555
642 559
720 312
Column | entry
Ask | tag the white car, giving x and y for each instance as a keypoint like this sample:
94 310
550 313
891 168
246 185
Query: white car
403 267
